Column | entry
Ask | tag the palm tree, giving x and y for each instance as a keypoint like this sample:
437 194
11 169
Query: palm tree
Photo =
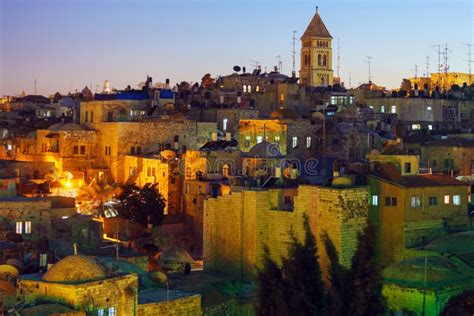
96 193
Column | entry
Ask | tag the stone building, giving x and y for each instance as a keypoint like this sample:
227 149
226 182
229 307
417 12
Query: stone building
409 211
316 54
159 169
452 155
89 286
239 224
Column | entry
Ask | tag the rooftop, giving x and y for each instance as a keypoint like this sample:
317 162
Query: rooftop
316 28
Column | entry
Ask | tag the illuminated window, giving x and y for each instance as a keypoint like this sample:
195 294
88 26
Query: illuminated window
375 200
249 88
112 311
430 127
456 199
107 150
244 88
433 201
429 108
28 227
416 126
277 139
225 171
224 124
257 89
294 142
415 201
19 228
382 109
259 139
282 97
247 141
394 109
446 199
308 141
100 312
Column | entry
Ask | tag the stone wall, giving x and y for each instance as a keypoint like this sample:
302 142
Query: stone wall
189 305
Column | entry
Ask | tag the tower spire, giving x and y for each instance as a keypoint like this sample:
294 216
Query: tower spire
317 9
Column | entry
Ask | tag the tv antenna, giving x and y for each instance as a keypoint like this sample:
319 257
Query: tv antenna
293 52
338 58
255 63
439 62
416 71
427 64
469 60
280 64
369 61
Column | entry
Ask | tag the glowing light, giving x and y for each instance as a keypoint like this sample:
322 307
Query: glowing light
68 184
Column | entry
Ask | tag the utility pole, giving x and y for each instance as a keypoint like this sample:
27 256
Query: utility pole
469 60
446 65
293 53
369 61
416 71
439 62
338 58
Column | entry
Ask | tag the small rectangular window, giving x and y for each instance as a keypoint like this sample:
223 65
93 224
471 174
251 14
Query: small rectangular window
247 141
388 201
132 150
294 142
277 139
407 167
92 116
83 150
19 228
112 311
224 124
87 117
259 139
76 150
456 199
139 150
308 141
382 109
394 201
394 109
415 201
446 199
375 200
28 227
432 200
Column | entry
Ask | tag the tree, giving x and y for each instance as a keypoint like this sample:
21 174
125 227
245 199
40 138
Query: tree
462 304
270 288
141 205
338 275
406 85
365 277
95 194
302 273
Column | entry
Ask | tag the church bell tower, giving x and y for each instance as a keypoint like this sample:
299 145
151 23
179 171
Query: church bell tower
316 54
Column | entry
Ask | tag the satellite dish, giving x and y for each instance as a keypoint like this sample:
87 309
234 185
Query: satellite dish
168 154
237 68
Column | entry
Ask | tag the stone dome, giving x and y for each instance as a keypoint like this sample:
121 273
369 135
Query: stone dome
284 114
176 254
66 127
440 272
264 149
75 268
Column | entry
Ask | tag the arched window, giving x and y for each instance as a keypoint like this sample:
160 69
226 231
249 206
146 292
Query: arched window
249 88
324 60
306 60
225 171
257 89
319 60
244 88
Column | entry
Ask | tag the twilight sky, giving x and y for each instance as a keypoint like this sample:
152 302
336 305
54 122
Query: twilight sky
67 44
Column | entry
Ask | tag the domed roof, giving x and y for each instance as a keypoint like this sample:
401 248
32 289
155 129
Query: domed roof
264 149
176 254
66 127
75 268
284 114
458 243
440 272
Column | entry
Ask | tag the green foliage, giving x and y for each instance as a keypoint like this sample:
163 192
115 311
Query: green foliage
460 305
365 278
141 205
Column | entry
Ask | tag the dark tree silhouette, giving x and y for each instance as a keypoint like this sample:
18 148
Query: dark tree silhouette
270 288
461 305
365 277
302 273
338 290
141 205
